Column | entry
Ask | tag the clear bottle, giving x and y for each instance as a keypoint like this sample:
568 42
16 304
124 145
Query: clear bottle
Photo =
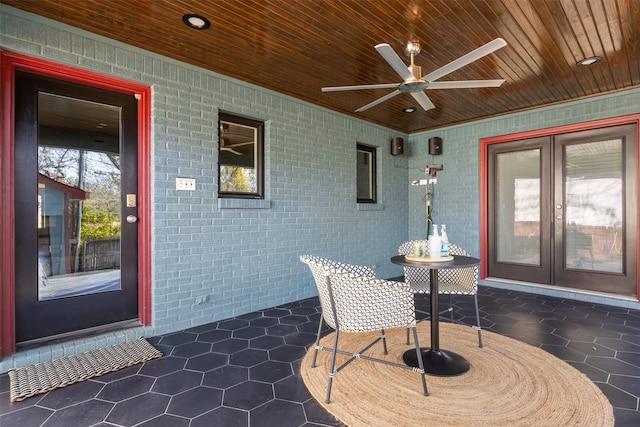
444 241
435 245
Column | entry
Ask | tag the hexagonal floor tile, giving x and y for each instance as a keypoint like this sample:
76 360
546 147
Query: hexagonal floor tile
248 395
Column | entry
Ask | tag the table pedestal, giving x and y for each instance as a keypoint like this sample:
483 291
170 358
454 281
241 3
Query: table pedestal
440 363
436 361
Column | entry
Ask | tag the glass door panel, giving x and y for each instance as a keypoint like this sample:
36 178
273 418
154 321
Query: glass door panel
594 206
518 207
78 200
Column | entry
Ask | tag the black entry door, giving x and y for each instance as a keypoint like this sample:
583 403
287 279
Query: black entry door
75 186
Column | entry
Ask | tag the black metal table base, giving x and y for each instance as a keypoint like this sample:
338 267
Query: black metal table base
440 363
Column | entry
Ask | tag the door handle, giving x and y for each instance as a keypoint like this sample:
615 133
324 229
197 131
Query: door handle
132 219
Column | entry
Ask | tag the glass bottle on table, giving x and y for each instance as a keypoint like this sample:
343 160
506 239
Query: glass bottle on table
444 241
435 243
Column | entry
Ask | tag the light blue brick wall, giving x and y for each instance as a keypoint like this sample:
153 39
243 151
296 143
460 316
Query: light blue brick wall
244 255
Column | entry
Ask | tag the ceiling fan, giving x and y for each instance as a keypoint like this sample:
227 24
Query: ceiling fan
414 84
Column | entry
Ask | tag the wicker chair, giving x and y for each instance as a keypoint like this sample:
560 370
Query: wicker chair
455 281
353 300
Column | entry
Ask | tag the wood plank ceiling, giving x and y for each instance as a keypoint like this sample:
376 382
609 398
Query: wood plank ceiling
296 47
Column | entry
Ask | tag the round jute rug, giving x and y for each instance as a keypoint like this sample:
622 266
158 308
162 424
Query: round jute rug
510 383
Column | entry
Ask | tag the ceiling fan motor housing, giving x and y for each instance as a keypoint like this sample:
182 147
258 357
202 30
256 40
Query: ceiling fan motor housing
416 83
416 70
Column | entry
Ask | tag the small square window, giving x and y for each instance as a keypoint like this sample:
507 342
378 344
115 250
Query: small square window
240 157
366 174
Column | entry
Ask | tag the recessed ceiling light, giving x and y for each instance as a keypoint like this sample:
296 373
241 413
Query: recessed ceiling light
409 110
197 22
589 61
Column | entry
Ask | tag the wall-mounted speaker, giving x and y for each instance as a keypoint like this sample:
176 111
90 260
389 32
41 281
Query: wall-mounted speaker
397 146
435 146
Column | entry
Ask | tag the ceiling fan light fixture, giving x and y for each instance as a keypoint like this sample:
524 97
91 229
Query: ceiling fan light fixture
589 61
412 48
197 22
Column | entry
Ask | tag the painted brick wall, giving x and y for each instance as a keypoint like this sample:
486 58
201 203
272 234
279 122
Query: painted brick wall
241 255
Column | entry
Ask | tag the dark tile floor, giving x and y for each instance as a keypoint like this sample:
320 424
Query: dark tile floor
245 371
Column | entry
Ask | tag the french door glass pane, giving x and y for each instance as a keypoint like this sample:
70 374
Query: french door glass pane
594 207
517 207
78 198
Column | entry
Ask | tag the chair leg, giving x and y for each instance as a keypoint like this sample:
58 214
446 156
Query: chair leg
478 320
420 363
332 370
315 353
384 341
451 307
408 339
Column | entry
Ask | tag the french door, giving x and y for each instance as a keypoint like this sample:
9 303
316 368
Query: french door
562 210
76 237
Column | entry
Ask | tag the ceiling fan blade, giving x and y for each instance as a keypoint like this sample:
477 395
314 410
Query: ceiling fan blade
240 144
359 87
423 100
488 48
465 84
231 150
378 101
394 60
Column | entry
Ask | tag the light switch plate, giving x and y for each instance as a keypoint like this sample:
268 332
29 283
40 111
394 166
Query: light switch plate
185 184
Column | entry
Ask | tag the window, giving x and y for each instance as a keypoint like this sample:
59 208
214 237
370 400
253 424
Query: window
240 157
366 174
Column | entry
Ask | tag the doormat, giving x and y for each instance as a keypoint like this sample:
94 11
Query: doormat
43 377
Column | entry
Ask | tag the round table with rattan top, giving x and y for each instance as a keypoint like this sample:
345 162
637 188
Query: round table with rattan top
438 362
